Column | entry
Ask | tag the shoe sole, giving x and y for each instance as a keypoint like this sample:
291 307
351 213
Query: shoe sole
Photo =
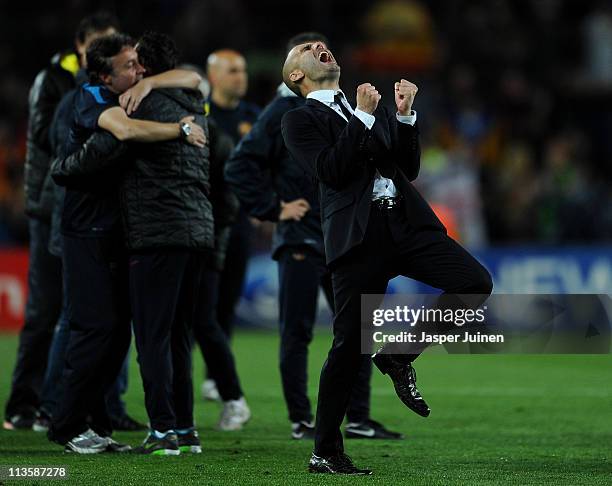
194 449
302 436
362 437
80 450
39 428
329 471
352 435
166 452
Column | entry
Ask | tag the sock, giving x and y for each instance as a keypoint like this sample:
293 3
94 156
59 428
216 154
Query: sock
160 435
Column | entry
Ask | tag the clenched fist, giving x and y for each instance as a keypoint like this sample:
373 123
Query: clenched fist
367 98
405 91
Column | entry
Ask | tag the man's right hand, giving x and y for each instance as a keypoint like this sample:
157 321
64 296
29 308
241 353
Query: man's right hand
367 98
294 210
197 136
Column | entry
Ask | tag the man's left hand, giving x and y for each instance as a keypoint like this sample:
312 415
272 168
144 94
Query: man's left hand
405 91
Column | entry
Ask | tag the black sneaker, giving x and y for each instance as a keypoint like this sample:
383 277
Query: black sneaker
166 446
338 464
302 430
19 422
370 429
190 442
127 423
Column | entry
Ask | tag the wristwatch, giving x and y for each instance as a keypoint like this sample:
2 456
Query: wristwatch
185 130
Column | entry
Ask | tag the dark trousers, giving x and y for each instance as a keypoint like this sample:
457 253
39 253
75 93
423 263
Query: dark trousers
114 403
301 271
164 288
390 247
95 274
231 282
42 312
52 390
213 342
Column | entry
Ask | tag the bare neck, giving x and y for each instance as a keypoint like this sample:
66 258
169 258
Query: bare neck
316 86
224 101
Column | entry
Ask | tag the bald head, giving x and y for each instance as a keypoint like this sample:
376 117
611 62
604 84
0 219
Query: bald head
227 74
310 66
292 74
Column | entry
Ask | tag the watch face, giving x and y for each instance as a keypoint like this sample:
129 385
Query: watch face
186 129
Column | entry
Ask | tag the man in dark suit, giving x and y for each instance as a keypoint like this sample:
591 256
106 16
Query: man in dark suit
272 187
375 226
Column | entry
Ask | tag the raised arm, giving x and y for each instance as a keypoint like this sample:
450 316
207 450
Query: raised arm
176 78
116 121
406 146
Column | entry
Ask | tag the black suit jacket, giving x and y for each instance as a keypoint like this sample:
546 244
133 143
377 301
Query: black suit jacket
343 158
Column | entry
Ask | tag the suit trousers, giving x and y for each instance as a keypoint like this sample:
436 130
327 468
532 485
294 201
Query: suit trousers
390 247
301 271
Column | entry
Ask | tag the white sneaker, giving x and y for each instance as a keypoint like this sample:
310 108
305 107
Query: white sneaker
87 443
209 391
235 414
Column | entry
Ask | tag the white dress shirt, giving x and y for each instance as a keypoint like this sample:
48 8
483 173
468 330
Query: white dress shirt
383 187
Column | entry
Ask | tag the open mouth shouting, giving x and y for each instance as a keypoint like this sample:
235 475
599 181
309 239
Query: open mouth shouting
325 57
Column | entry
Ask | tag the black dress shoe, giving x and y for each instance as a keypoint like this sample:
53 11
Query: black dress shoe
338 464
404 381
370 429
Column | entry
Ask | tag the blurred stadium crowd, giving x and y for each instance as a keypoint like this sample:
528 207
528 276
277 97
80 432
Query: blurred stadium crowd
512 100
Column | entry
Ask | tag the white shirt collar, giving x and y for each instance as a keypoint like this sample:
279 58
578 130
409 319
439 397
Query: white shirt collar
284 91
324 95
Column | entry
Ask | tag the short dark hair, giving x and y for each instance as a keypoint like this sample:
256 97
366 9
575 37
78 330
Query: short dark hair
157 52
98 22
304 37
100 54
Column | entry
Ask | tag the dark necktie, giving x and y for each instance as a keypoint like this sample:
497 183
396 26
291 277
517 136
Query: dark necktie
338 99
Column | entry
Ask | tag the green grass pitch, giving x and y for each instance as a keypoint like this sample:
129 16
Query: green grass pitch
495 420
